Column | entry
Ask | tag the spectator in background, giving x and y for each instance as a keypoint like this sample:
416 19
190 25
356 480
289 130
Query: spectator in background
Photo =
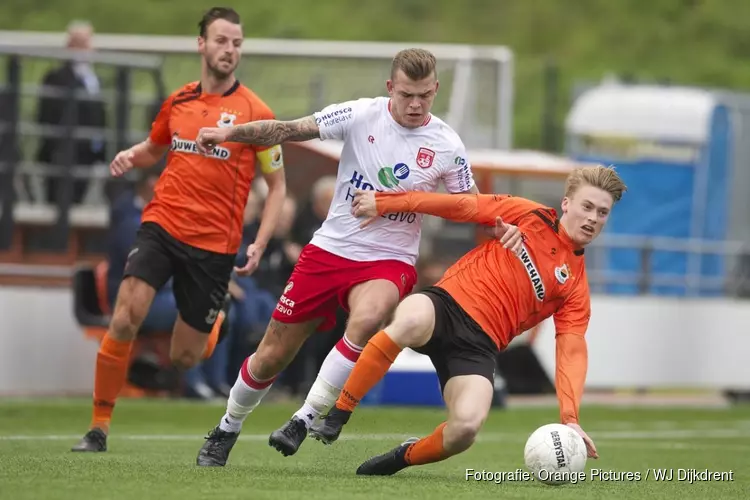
281 254
430 270
252 306
90 112
311 216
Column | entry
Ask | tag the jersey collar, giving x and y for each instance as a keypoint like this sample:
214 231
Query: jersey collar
550 218
232 89
577 251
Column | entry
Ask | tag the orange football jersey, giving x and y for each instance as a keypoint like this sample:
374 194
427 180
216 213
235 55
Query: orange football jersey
507 294
199 199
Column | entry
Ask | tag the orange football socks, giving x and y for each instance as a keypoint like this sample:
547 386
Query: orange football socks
112 362
428 449
372 365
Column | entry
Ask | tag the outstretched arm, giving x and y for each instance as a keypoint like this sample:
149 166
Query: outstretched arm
478 208
570 374
272 132
456 207
570 378
259 133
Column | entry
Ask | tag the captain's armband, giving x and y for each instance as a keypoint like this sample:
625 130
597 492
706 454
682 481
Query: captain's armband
271 159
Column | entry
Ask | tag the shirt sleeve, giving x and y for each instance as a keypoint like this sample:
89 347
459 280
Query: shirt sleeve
336 120
458 177
571 323
160 133
477 208
575 313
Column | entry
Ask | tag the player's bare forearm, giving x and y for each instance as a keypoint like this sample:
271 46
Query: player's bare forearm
147 153
272 207
454 207
570 374
272 132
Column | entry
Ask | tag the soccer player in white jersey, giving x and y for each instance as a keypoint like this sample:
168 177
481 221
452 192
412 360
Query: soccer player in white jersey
390 144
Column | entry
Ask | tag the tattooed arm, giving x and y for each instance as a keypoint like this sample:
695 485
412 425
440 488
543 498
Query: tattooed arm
272 132
259 133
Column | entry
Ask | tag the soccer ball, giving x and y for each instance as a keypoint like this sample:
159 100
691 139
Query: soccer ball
555 454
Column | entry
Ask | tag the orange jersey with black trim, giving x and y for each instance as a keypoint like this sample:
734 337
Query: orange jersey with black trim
505 293
200 200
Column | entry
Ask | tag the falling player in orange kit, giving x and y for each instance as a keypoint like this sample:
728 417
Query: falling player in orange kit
484 300
192 229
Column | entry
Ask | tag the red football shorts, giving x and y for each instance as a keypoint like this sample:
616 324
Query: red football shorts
321 281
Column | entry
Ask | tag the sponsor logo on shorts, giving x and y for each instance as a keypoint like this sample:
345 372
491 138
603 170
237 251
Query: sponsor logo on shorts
536 279
289 286
211 317
285 304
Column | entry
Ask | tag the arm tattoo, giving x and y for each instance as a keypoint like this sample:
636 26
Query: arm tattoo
272 132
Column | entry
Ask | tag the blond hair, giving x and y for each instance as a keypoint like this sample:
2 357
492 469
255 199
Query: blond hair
604 178
417 64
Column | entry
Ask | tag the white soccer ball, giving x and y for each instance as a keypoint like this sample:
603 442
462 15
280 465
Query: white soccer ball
555 454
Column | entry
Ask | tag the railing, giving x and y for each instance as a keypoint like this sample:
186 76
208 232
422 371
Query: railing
732 279
13 128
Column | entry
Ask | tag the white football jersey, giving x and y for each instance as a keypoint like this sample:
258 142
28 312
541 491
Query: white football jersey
381 155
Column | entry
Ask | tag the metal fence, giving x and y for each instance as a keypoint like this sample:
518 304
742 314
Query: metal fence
19 174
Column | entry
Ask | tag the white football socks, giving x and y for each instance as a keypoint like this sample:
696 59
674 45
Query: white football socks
245 396
330 380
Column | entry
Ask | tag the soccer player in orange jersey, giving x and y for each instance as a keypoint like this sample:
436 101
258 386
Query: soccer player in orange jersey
484 300
192 229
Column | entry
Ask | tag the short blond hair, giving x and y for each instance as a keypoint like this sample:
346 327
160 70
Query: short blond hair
604 178
417 64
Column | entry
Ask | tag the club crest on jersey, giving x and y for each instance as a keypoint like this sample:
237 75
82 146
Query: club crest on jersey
425 157
536 279
226 120
562 273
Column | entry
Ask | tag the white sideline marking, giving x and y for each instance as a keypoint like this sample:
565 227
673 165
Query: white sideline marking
663 435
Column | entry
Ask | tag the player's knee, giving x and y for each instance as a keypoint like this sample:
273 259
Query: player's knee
184 359
268 361
125 323
412 326
363 325
459 435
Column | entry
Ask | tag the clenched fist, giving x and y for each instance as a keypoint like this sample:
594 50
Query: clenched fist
122 163
209 138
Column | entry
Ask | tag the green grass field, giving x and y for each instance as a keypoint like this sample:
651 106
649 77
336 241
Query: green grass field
153 446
